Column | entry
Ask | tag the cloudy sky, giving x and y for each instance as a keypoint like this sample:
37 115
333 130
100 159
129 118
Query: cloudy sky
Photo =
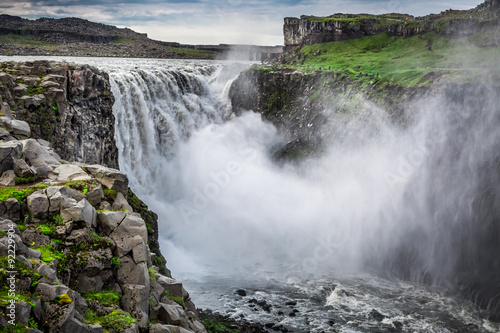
213 22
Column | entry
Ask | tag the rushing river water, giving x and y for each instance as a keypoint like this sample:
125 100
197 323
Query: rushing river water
294 241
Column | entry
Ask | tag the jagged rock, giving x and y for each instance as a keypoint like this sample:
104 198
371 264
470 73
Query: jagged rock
20 128
97 261
81 212
70 172
48 272
44 143
195 325
125 235
34 101
37 309
22 169
20 247
6 224
140 252
39 157
74 325
172 314
13 209
95 195
96 328
105 206
108 221
111 178
8 152
35 238
38 204
61 197
172 286
121 203
80 303
24 261
6 122
135 301
34 254
160 328
78 237
23 310
8 178
131 273
49 292
4 133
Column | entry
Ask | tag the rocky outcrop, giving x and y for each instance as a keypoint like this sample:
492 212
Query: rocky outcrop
308 30
79 268
67 105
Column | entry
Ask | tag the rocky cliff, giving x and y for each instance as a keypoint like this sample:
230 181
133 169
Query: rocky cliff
308 30
68 105
79 250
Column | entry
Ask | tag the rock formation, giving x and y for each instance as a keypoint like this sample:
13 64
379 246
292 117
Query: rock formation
78 242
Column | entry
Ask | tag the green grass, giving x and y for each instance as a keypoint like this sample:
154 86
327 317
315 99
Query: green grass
18 193
105 297
399 61
194 52
176 299
116 321
22 40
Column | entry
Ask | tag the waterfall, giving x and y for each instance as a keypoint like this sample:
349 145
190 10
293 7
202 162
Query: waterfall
418 202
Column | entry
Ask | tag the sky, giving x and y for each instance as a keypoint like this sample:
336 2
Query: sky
214 22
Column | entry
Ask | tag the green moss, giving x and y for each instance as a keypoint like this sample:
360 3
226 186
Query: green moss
214 326
115 262
82 185
152 273
2 234
106 298
176 299
26 180
116 321
19 194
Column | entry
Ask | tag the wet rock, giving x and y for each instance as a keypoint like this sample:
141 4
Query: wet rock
241 292
377 315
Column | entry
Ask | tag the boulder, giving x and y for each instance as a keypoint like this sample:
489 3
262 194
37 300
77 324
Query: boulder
111 178
131 273
172 286
135 301
23 310
96 328
50 292
125 235
8 152
22 169
70 172
38 156
8 178
35 238
81 212
6 225
172 314
121 203
140 252
108 221
95 195
20 128
12 209
47 271
38 204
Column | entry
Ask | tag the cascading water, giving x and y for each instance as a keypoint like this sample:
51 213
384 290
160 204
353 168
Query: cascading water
300 239
231 218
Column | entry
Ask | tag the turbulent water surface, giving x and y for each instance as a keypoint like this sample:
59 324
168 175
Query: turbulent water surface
300 239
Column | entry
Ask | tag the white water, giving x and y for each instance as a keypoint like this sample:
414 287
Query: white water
231 218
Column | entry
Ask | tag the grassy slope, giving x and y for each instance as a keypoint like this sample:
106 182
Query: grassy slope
452 59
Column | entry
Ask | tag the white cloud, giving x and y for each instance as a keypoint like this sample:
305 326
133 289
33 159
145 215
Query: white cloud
224 21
